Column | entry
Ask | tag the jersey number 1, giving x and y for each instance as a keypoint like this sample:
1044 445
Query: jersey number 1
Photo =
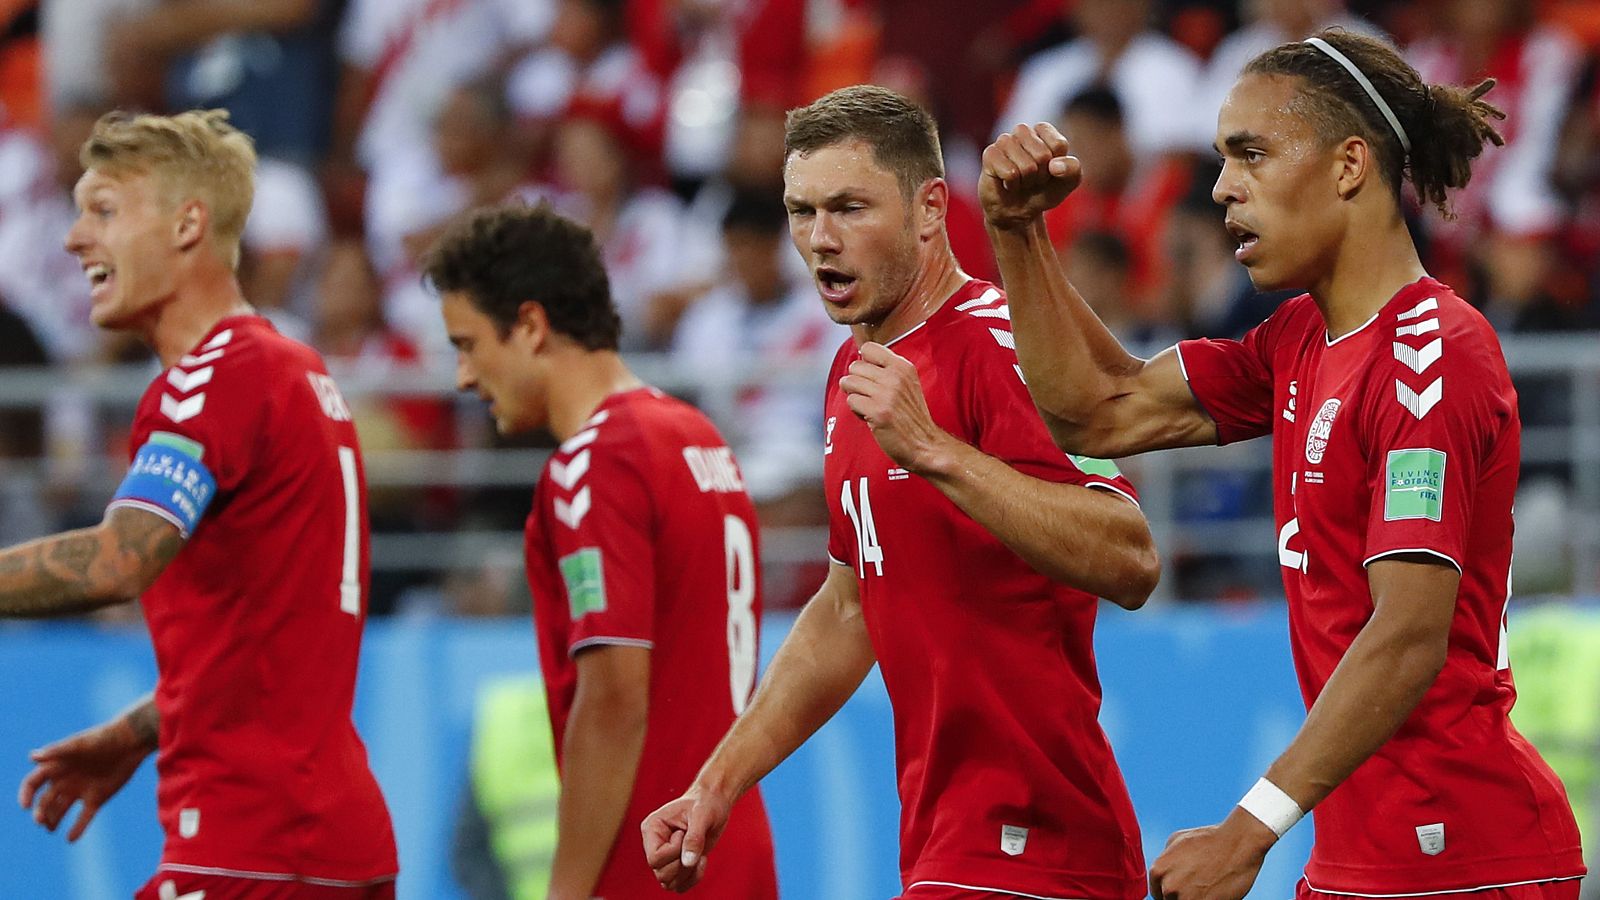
350 575
741 569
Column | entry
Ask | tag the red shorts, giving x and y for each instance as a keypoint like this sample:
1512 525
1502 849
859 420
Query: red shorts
168 885
1539 890
953 892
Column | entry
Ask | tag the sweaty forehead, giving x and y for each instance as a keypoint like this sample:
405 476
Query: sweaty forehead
1262 106
848 166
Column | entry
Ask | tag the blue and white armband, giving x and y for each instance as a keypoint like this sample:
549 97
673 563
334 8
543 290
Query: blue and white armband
167 478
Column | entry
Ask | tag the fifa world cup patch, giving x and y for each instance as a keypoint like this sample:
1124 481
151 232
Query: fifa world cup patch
1088 465
586 583
1413 484
168 478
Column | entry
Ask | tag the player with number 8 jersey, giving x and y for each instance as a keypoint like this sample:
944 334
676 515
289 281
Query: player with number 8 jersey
641 551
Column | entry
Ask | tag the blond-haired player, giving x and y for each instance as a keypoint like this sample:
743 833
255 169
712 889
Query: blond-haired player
241 526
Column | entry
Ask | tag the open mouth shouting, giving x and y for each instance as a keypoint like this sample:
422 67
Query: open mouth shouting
836 286
1245 238
99 275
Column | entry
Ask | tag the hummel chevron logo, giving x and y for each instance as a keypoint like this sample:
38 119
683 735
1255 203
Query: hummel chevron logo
182 411
1004 338
1426 306
597 418
1020 377
572 513
983 299
1420 404
993 312
1423 327
188 381
569 474
189 362
1419 360
580 440
220 341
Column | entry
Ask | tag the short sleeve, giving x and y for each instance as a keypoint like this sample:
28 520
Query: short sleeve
1427 440
194 435
1232 381
1005 424
601 531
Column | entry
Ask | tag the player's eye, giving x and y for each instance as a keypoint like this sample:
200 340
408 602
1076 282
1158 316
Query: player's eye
1254 156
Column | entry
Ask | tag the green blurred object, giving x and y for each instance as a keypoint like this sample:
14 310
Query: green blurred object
516 783
1555 656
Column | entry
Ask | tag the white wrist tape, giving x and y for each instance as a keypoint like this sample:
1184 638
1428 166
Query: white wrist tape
1276 810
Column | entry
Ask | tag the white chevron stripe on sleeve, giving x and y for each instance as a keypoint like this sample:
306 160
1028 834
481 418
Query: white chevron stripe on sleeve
993 312
1419 404
189 362
571 514
186 382
220 341
1020 377
182 411
983 299
1419 360
568 475
580 440
1426 306
1004 338
1423 327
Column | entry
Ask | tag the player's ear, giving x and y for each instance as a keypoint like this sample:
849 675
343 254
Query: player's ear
1354 164
933 203
532 325
190 226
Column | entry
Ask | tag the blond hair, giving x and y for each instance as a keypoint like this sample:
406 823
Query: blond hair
194 155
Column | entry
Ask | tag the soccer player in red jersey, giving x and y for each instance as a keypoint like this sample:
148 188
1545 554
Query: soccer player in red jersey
967 552
641 549
1395 458
241 526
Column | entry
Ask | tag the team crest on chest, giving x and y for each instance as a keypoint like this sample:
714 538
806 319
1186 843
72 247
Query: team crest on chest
1321 427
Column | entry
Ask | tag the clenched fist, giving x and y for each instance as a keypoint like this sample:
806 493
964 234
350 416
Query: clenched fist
1026 171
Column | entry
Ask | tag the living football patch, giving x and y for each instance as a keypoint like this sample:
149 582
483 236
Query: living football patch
1414 484
586 583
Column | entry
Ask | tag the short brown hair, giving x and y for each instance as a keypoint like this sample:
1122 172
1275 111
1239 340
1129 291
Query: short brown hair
501 257
1448 126
195 155
903 136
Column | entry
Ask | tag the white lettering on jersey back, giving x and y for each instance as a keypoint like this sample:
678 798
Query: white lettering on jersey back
184 410
714 469
328 397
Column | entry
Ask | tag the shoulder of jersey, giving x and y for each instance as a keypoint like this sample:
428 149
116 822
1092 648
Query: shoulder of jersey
985 322
200 376
1437 345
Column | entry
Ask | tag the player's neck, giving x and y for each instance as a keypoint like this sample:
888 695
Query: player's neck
587 378
936 279
1371 267
210 295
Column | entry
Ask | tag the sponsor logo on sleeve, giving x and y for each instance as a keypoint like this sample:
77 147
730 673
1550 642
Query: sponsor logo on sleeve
1321 428
1414 484
586 583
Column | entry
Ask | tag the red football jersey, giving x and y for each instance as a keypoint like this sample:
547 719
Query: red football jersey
257 621
642 535
1006 780
1400 437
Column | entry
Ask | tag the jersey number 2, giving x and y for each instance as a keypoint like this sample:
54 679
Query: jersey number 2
350 575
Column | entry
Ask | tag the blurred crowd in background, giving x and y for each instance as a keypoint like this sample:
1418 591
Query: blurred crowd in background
659 123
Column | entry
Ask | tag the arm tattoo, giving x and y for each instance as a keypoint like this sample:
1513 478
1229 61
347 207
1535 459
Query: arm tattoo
85 569
145 721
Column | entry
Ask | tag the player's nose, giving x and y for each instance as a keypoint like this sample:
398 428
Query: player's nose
1226 190
824 237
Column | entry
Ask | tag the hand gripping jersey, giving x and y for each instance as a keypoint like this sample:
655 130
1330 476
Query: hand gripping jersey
1400 437
248 447
642 535
1006 780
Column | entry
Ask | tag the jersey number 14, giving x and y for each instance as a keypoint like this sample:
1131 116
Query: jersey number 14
868 550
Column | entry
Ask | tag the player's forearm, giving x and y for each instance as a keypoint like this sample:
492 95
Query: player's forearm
144 720
58 575
600 762
1383 676
1081 537
1071 361
818 667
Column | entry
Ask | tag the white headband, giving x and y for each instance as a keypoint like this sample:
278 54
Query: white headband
1366 85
